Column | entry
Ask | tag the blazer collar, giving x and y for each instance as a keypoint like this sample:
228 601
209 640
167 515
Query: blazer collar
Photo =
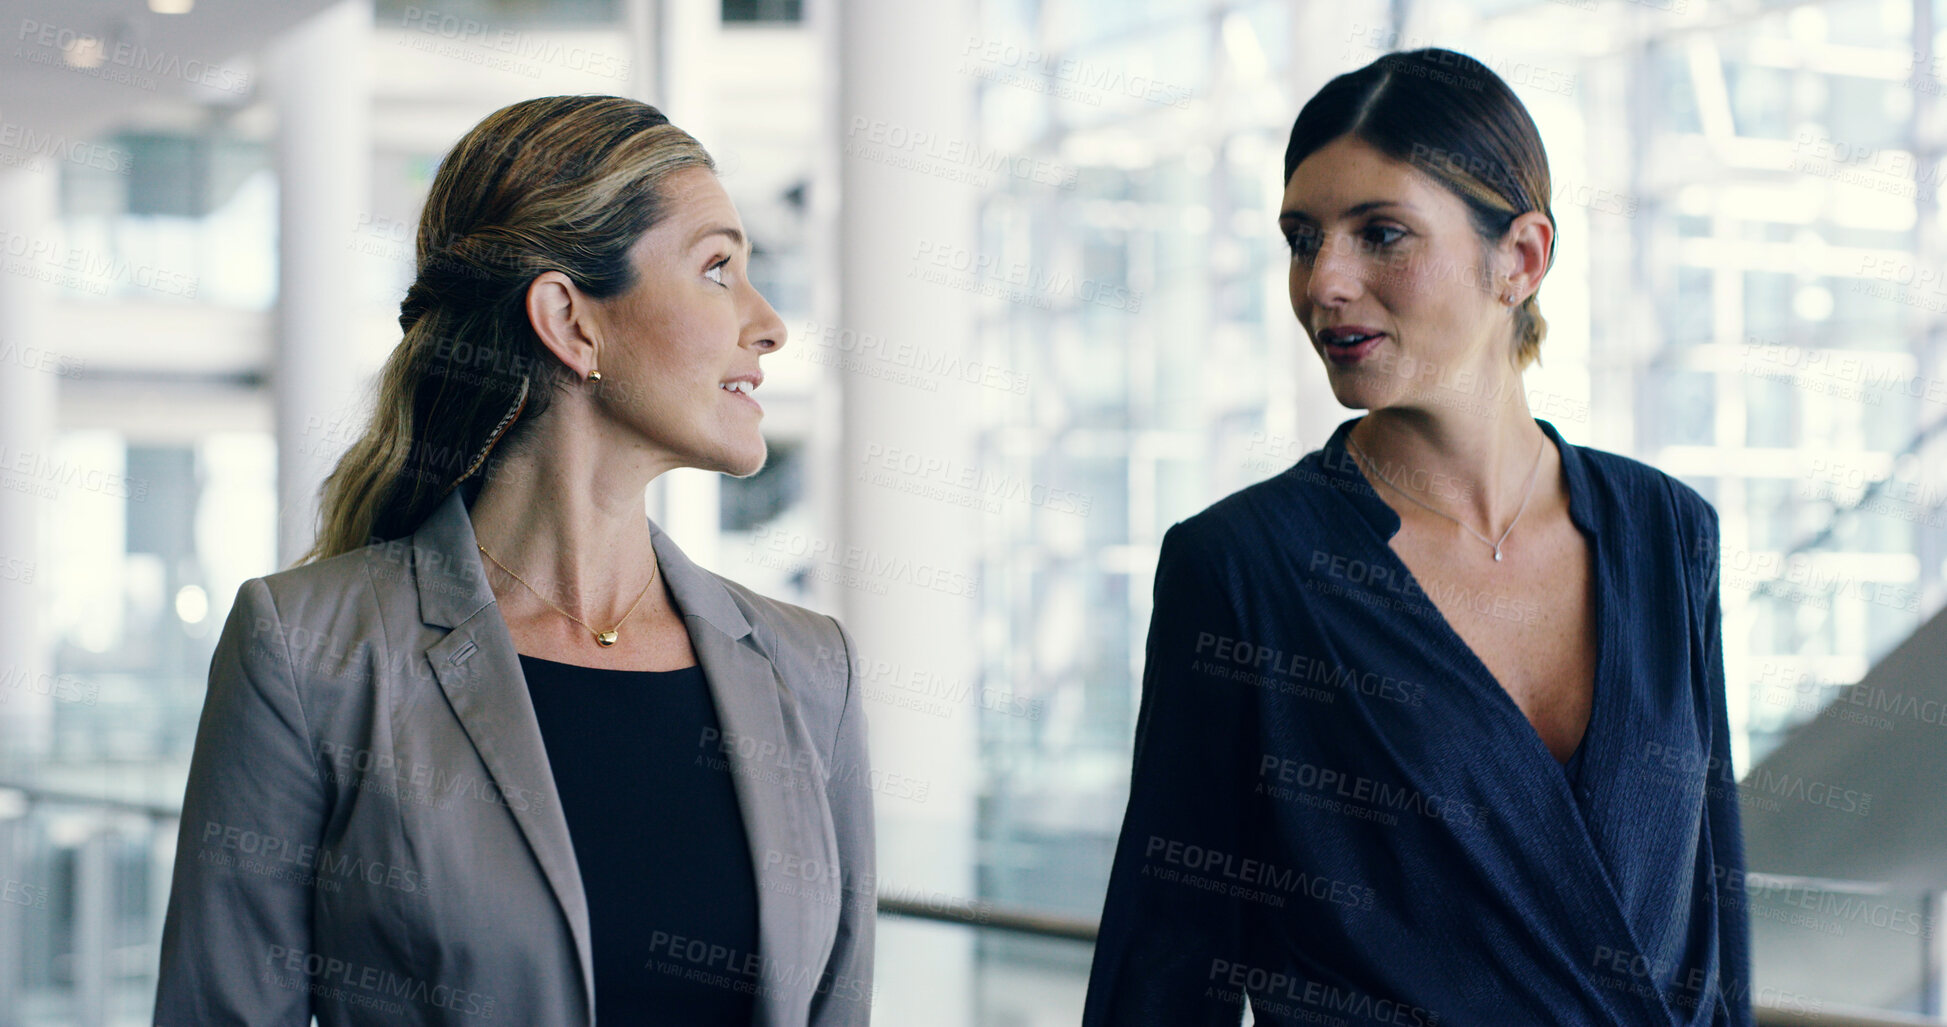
1336 463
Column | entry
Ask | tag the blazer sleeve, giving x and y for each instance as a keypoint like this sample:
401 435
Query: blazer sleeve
240 898
1721 799
844 997
1167 949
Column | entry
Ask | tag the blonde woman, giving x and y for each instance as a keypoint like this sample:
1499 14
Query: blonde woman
496 751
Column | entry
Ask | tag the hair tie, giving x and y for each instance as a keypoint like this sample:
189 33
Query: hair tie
452 276
419 299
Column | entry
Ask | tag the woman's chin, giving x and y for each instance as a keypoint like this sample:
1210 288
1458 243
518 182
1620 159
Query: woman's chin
748 461
1352 393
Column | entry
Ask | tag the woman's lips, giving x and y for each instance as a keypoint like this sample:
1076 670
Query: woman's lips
1345 356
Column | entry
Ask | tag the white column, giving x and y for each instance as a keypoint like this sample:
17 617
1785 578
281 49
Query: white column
28 200
685 501
896 66
688 77
94 882
320 80
13 934
641 24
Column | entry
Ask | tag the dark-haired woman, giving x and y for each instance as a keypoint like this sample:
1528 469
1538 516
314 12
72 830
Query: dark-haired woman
497 752
1433 723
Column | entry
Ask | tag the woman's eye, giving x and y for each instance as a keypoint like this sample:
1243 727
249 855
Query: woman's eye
715 273
1303 243
1383 235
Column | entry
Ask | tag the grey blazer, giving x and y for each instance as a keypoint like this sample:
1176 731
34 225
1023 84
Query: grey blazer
371 833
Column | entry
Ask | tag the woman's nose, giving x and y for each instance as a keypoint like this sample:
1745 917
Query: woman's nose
769 327
1334 274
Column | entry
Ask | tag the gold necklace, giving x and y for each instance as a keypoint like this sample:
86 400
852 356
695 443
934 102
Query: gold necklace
605 638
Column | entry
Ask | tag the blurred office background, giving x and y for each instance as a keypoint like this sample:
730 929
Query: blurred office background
1027 253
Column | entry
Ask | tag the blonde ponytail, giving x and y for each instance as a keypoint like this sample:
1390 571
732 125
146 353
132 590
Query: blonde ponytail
560 183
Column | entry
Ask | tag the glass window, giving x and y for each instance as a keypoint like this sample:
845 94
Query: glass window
763 10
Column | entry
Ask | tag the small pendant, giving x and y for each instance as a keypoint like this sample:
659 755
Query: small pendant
1497 559
607 638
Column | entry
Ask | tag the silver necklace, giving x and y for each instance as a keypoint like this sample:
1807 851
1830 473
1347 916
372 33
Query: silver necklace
1470 528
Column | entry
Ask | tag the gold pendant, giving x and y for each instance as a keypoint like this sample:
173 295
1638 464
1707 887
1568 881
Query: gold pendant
606 638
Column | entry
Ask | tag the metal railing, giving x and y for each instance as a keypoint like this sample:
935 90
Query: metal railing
968 913
93 967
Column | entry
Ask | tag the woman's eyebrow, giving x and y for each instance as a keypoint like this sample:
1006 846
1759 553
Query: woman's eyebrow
1352 211
736 236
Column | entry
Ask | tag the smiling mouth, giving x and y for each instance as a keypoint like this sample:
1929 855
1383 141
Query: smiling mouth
1346 341
741 390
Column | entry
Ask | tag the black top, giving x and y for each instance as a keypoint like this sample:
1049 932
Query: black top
665 863
1337 813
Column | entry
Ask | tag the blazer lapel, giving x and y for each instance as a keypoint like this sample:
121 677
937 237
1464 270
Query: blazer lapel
779 784
775 770
479 670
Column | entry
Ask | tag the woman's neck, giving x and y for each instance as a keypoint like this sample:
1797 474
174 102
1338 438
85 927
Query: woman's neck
567 519
1472 464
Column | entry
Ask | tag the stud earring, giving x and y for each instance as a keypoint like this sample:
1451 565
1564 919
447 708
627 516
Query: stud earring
594 376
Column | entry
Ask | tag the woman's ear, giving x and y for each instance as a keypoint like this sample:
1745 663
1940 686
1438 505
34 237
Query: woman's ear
564 319
1528 245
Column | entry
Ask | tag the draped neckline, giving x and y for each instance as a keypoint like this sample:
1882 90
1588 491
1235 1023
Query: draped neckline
1583 513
